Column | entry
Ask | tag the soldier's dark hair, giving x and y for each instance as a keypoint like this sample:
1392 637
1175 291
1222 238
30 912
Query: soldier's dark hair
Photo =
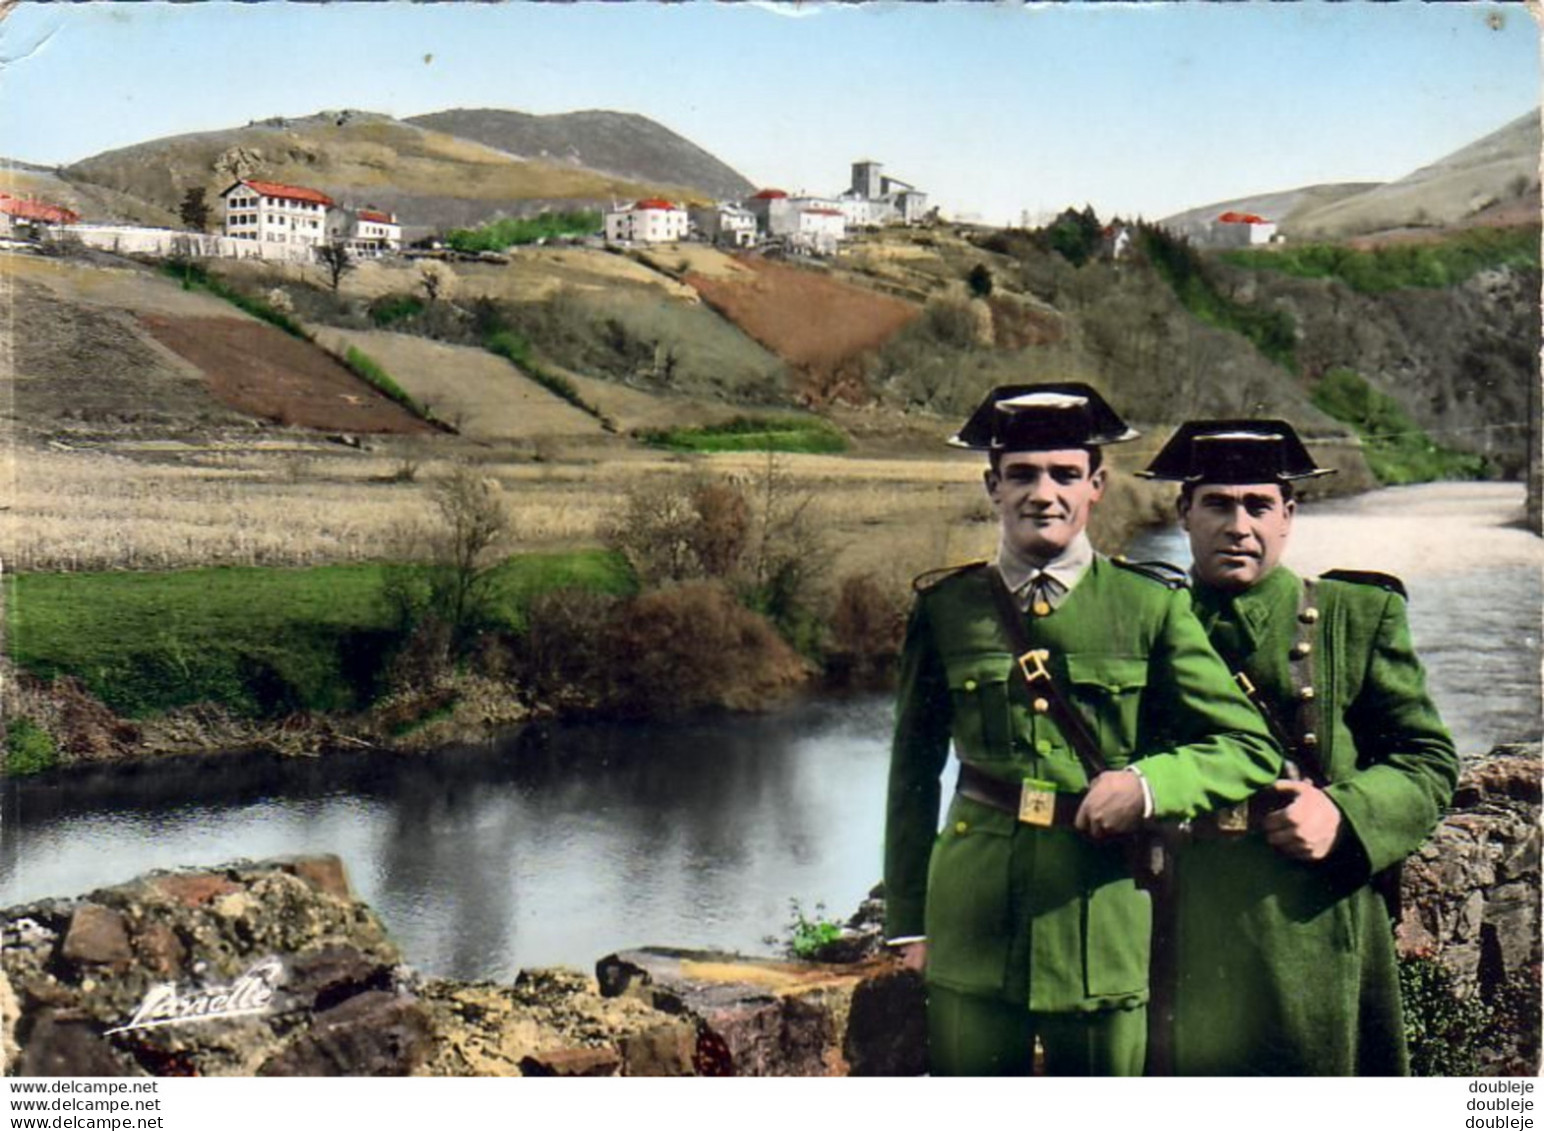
1095 457
1187 492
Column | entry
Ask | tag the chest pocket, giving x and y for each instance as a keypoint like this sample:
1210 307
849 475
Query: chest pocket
1109 690
979 690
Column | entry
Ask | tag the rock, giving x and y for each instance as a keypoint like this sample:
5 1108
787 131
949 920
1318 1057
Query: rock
97 935
763 1017
666 1049
323 978
61 1046
572 1062
192 888
324 873
159 949
371 1034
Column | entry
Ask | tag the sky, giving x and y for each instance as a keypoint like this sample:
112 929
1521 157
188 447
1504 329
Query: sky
994 109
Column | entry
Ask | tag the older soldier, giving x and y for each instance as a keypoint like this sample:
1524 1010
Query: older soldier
1054 671
1286 957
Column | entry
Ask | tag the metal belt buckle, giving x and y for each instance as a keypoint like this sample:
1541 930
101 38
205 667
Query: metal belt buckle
1037 803
1234 818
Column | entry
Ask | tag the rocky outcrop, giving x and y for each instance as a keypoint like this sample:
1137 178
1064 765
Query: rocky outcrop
1471 898
251 969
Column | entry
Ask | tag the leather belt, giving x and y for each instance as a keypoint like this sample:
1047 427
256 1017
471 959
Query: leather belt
981 787
1236 820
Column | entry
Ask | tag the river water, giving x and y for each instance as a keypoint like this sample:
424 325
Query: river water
564 844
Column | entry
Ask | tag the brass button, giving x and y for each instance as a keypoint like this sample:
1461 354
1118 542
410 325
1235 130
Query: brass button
1300 649
962 826
1310 738
1309 615
1040 608
1043 746
1305 693
1041 706
970 685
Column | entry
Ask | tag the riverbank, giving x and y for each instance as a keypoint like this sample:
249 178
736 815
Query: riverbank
302 661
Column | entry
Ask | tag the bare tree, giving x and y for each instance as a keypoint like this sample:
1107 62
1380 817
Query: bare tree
336 260
437 279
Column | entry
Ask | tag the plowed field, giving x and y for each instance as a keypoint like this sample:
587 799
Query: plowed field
262 371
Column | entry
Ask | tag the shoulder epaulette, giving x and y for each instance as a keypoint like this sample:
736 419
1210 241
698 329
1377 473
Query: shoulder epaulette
1162 572
1367 577
925 581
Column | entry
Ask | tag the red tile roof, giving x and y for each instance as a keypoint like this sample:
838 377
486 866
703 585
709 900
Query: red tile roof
822 212
771 194
653 203
376 217
1241 218
287 192
36 210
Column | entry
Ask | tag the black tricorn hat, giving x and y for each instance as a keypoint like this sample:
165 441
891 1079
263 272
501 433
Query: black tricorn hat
1030 418
1234 452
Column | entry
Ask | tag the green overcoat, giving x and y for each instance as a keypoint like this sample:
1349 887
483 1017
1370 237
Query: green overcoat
1044 917
1287 967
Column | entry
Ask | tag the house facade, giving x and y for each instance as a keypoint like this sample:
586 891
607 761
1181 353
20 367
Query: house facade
283 221
1241 229
29 218
367 232
651 220
727 225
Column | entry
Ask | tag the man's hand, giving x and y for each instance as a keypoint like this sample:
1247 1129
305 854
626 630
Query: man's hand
913 955
1113 806
1306 829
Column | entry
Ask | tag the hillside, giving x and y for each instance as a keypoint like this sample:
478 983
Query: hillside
431 179
93 203
1492 180
621 145
1500 166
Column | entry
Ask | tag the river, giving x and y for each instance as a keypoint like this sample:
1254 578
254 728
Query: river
569 842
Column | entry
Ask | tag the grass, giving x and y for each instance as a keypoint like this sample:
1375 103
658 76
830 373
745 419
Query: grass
194 275
260 641
754 434
29 749
513 231
1440 264
368 370
1396 448
514 347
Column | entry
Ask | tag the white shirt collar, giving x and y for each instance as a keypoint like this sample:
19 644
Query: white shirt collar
1066 569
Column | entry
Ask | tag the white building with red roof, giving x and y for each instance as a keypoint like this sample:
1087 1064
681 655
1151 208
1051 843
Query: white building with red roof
367 232
807 223
1241 229
282 221
651 220
23 216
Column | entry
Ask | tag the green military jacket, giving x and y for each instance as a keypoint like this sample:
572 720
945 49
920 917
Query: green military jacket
1287 967
1043 916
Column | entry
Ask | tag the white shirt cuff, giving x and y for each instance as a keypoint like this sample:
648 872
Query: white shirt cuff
1147 792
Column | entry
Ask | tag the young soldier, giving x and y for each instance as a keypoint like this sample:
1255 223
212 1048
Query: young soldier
1286 957
1053 671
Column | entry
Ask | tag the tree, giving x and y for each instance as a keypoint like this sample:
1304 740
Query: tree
194 210
335 260
437 279
980 280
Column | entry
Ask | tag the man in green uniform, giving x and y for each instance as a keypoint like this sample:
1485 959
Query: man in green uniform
1053 671
1285 954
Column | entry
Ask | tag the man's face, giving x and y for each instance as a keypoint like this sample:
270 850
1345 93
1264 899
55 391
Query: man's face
1237 533
1043 498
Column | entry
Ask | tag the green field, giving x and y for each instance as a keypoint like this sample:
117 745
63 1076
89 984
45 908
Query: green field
262 642
750 434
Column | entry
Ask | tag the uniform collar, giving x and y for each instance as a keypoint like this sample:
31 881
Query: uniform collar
1251 611
1066 569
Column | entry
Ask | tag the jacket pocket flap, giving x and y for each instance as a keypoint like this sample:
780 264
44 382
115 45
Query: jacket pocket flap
979 669
1108 673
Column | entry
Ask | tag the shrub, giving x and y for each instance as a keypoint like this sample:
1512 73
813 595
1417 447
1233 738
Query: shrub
867 624
1397 449
1445 1032
753 434
694 646
1442 263
29 749
389 309
565 654
512 231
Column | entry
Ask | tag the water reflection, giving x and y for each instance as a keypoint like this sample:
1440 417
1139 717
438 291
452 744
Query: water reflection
554 848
